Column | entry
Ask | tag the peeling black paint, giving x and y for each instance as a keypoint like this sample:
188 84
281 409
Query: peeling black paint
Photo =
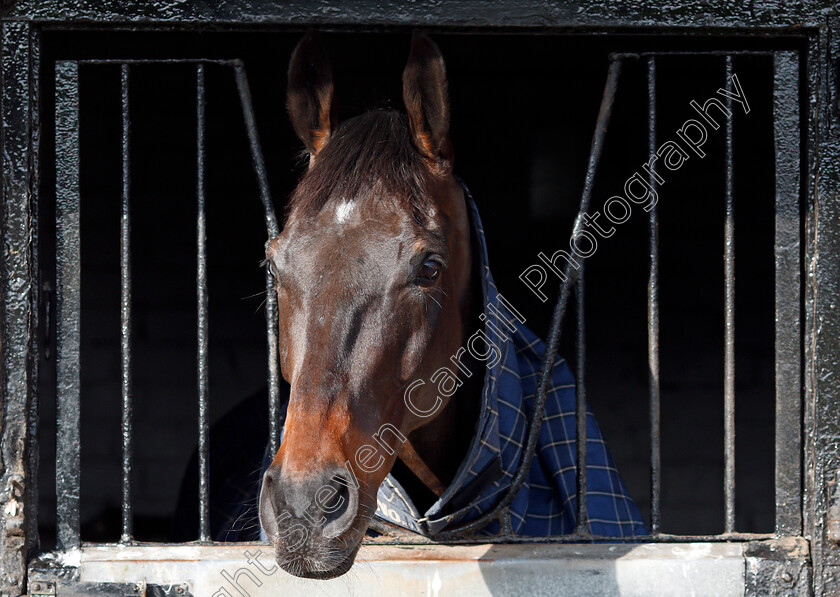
18 321
438 14
822 335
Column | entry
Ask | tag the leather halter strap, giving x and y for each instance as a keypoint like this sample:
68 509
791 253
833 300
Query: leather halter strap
421 470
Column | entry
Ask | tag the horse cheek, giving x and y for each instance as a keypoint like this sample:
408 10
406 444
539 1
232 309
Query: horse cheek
413 353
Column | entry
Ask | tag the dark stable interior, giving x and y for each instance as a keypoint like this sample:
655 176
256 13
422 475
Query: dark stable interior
523 113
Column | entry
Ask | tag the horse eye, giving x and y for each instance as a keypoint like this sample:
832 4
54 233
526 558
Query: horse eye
429 272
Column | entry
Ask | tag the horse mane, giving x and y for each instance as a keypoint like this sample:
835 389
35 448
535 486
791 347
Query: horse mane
368 157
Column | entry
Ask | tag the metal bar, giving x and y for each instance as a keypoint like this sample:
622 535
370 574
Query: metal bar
274 423
822 317
661 53
202 299
452 539
582 528
125 310
729 322
130 61
38 345
556 328
237 62
256 148
448 538
18 292
786 119
68 303
653 318
506 526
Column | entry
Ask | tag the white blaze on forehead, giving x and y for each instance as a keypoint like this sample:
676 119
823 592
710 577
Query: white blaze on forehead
343 211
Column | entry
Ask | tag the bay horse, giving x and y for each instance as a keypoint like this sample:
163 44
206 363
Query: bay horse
383 282
373 280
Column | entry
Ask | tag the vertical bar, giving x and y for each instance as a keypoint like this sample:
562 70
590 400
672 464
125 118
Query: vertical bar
18 290
274 423
506 527
653 317
729 322
580 409
202 300
815 100
821 286
125 311
68 303
37 345
256 148
786 122
271 322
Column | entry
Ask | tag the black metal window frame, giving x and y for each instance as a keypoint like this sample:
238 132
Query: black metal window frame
805 498
788 331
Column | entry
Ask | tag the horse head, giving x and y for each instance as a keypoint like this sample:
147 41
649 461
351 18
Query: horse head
372 275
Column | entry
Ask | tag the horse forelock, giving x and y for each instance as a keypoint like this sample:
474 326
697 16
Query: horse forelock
370 157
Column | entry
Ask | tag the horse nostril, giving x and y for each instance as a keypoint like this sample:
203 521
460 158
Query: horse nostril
340 508
269 477
335 507
268 506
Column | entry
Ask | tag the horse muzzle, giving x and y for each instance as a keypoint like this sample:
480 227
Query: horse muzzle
312 521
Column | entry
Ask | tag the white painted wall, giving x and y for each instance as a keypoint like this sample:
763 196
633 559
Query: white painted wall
703 569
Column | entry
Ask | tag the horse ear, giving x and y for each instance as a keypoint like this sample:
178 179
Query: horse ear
427 100
309 97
